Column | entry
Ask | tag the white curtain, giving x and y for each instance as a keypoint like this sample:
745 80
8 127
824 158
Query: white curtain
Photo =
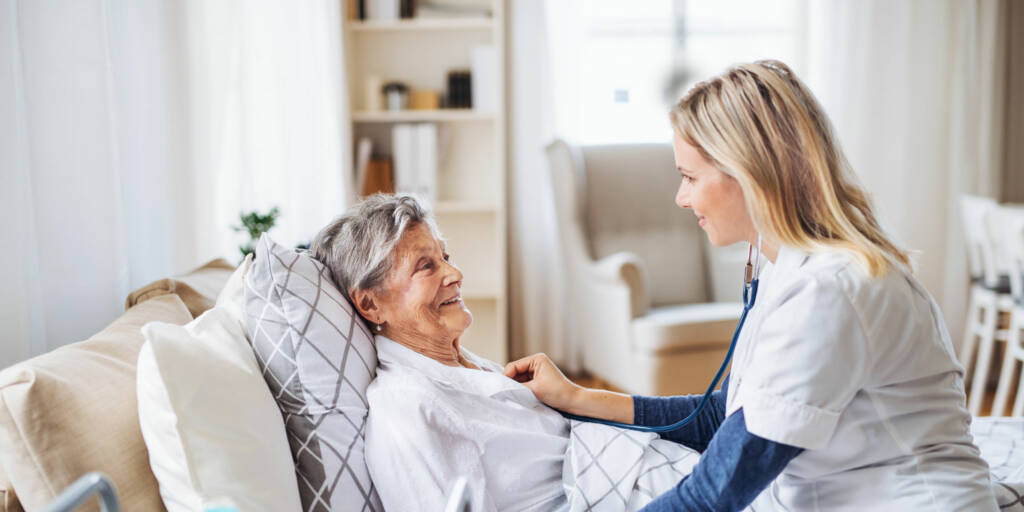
914 89
269 116
133 132
539 309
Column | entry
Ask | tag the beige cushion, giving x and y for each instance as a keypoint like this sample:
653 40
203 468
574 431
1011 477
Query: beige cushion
8 501
688 326
198 289
74 410
629 207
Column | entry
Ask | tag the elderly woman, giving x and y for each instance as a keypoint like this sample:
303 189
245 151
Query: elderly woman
437 411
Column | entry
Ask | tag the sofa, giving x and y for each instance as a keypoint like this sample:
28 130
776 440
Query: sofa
74 410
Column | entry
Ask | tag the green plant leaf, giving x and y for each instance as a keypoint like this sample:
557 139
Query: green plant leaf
255 224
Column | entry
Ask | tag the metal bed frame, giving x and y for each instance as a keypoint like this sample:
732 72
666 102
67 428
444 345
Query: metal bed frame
83 488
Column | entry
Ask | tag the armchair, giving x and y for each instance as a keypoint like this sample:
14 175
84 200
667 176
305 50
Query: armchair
639 270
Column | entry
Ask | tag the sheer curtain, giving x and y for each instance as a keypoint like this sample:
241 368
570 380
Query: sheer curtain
915 90
533 289
133 132
539 307
269 114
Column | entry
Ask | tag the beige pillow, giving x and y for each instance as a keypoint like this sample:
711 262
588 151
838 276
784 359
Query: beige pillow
198 289
74 410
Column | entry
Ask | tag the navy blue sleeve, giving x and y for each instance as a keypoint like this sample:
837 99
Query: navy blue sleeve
657 411
732 472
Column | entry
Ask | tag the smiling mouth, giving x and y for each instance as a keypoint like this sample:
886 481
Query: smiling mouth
454 300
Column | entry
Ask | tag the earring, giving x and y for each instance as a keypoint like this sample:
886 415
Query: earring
380 327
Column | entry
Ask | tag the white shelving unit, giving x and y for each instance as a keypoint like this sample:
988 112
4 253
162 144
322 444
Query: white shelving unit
420 24
406 116
470 209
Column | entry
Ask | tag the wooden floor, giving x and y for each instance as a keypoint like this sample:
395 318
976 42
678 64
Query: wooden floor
986 404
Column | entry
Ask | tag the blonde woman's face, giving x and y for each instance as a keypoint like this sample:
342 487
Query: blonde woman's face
715 197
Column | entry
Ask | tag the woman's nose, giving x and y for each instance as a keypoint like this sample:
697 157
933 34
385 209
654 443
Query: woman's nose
682 197
452 274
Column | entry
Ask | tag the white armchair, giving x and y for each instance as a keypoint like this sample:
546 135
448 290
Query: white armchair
639 270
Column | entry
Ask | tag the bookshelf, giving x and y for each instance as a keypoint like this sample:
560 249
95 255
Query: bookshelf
405 116
418 24
471 176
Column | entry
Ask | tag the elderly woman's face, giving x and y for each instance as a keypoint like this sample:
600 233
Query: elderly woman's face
421 297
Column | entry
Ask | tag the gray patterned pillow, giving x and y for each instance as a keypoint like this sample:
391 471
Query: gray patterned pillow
317 357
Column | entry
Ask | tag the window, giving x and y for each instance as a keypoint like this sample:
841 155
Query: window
640 57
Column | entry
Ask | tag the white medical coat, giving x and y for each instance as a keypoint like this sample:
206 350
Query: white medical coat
859 372
430 423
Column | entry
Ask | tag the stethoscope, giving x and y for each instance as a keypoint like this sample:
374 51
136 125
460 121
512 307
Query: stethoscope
751 277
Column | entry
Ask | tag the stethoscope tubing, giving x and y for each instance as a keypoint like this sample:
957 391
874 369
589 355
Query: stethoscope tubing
749 297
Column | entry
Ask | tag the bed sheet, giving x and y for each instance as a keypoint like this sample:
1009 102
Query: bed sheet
1001 441
609 469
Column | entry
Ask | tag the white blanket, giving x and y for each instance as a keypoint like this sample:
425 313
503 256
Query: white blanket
1001 441
611 469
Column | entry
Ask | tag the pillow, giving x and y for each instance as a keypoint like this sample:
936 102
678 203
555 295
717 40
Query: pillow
318 357
213 431
197 289
232 294
73 410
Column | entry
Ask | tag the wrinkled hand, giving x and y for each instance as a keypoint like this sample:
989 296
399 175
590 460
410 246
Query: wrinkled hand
547 382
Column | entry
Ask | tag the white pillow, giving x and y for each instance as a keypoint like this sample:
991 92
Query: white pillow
213 431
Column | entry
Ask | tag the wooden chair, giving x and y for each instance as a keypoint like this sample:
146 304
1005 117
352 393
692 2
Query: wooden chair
1012 220
989 294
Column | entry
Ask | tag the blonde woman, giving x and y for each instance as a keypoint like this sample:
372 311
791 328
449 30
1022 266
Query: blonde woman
844 392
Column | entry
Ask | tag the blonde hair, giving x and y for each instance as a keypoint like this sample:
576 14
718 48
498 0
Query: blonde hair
758 123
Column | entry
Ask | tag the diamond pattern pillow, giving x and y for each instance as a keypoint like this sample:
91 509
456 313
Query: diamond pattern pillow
317 357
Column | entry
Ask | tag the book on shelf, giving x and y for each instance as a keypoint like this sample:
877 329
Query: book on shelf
379 177
484 81
364 150
382 10
426 139
406 8
446 9
460 89
415 151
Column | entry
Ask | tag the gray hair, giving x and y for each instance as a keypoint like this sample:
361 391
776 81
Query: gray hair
357 246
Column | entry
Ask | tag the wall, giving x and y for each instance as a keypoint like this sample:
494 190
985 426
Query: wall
1013 146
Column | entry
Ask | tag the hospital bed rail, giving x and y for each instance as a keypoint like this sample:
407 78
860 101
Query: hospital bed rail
83 488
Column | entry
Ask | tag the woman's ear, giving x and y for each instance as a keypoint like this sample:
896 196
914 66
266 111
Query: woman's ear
366 304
